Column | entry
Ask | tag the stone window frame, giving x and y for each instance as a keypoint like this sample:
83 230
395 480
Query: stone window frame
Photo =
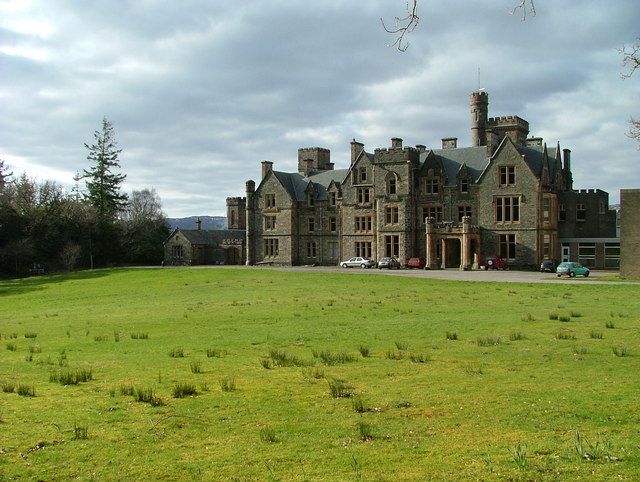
507 243
507 176
363 195
546 246
269 223
507 207
334 249
363 175
546 210
333 224
177 251
270 200
363 249
435 211
271 247
391 215
581 212
464 185
562 212
311 224
311 249
464 210
363 224
431 185
332 198
311 199
392 245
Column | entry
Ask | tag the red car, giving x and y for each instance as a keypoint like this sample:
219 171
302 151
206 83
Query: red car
495 262
419 263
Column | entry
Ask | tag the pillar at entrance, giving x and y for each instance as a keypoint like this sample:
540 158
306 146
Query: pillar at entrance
466 244
444 253
431 244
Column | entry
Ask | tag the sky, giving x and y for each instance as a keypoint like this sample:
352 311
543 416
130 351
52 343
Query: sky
200 91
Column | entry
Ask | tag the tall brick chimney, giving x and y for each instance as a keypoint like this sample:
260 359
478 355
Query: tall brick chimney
266 167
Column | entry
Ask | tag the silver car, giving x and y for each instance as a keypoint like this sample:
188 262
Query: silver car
358 261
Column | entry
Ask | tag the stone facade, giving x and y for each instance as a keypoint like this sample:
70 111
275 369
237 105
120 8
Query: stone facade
454 206
630 233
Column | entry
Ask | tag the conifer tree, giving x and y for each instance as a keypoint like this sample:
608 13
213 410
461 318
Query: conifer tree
102 180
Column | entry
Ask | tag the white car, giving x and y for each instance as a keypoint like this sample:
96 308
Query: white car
358 261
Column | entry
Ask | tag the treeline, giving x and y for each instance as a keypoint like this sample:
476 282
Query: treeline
44 228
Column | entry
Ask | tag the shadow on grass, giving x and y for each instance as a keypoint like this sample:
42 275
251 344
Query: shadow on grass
35 283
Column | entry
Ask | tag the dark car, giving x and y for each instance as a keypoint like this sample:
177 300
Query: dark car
495 262
390 263
419 263
547 265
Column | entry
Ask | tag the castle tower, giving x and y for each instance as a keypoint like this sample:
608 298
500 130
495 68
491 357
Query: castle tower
236 213
479 101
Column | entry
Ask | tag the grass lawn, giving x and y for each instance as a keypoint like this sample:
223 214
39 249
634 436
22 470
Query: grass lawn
307 376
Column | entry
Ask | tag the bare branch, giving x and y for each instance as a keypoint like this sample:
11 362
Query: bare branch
522 5
630 59
403 26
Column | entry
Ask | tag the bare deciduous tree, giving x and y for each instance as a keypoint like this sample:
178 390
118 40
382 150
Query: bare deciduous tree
631 63
407 23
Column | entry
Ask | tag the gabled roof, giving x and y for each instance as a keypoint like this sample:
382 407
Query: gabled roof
452 160
296 184
534 157
209 237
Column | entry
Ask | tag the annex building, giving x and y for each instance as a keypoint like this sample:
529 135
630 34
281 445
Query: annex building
507 194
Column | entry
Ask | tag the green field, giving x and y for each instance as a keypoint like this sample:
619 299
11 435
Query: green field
540 384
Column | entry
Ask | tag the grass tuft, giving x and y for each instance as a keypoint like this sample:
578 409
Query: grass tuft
26 390
12 346
620 351
597 335
216 353
330 358
182 390
80 432
365 430
8 387
610 324
489 341
519 455
228 384
401 345
452 335
340 389
30 334
139 335
282 359
71 377
565 335
419 357
364 351
196 367
177 352
147 395
516 336
268 435
553 316
564 318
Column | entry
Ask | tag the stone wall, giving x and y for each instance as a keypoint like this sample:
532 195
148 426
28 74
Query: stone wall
630 233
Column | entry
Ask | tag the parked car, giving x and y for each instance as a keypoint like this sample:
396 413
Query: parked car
547 265
495 262
419 263
358 261
571 269
389 263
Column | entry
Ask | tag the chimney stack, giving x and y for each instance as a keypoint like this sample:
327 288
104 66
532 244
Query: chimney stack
356 149
450 143
567 159
396 143
266 167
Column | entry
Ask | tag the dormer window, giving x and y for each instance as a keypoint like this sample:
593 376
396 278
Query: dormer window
464 186
310 199
362 175
332 199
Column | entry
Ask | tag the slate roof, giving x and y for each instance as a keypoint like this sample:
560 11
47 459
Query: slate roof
452 159
210 237
534 155
296 184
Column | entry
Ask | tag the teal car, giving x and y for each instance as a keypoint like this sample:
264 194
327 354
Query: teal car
572 269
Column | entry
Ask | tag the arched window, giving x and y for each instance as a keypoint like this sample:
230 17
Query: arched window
392 184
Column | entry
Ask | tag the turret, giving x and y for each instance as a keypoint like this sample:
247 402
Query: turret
479 101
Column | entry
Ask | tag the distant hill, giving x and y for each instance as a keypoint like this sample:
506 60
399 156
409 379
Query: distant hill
208 222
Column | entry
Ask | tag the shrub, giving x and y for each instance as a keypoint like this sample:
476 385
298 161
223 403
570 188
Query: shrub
597 335
30 334
340 389
452 335
12 346
196 367
215 353
489 341
268 435
364 351
516 335
228 384
177 353
26 390
181 390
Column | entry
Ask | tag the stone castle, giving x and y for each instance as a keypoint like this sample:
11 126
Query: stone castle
507 194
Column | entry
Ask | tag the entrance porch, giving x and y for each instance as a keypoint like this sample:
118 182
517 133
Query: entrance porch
452 245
